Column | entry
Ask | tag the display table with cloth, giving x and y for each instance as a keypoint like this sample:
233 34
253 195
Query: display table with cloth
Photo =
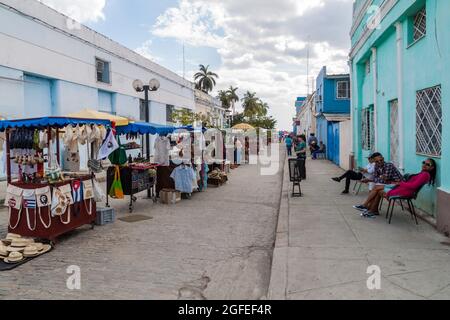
39 222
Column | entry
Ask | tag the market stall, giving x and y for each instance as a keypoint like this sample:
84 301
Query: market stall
136 175
45 202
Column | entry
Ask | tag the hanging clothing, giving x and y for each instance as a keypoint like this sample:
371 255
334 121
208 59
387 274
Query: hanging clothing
183 177
162 148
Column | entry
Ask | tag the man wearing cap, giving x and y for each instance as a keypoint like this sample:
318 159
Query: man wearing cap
364 175
385 173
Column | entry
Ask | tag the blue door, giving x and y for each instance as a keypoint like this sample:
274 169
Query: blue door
333 142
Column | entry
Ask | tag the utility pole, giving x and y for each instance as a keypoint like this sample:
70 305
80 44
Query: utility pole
307 67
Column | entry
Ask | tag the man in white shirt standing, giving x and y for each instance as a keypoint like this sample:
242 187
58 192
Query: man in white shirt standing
363 175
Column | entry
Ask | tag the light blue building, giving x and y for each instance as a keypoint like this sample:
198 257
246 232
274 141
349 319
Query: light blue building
332 107
400 65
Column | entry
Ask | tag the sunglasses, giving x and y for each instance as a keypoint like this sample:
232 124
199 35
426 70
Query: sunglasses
427 164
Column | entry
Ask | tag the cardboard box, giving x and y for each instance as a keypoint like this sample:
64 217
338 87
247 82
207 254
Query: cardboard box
170 196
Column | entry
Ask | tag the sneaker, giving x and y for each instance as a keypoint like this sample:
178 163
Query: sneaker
345 192
336 179
368 214
360 208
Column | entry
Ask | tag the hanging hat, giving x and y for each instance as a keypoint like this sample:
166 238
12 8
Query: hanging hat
30 251
14 257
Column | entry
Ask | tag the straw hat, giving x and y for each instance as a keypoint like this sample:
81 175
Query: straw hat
19 244
30 251
46 248
9 238
39 246
3 251
14 257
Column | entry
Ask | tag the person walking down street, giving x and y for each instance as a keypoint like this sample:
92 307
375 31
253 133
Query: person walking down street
322 149
288 142
403 188
364 175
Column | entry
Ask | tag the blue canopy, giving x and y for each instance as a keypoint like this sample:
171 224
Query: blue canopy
145 128
150 128
54 122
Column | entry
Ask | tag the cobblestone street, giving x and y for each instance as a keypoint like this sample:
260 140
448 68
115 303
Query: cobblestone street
218 245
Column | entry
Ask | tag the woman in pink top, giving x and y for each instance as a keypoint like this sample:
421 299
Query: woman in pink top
406 189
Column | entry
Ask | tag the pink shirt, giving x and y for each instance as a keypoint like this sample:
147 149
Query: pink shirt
407 189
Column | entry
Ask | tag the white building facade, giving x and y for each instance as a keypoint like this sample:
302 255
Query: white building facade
51 66
211 107
307 116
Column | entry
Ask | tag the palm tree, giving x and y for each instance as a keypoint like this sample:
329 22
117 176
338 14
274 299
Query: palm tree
205 79
250 104
263 108
233 98
224 98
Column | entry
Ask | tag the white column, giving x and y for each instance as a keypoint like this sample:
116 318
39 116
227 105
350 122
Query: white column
375 94
399 28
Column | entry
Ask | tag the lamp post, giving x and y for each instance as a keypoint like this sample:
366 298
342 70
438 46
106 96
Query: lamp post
139 86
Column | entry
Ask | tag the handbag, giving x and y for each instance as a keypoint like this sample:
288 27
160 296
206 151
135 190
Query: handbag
14 197
116 191
44 199
99 195
95 165
118 156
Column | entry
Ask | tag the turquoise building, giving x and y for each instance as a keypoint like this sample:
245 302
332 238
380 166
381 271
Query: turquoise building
400 71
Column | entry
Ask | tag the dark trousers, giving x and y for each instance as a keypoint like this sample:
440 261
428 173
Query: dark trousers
289 150
351 176
301 165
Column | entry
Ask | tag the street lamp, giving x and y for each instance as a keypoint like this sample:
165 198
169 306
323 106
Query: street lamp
139 86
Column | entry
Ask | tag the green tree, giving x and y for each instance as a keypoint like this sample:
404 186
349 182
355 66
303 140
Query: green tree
205 79
250 102
233 98
224 99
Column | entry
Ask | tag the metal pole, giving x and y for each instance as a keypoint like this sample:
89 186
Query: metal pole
147 136
147 119
8 157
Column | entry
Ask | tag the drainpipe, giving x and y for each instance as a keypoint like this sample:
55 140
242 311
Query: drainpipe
375 94
399 29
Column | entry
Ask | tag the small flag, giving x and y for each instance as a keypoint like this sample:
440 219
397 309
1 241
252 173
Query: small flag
29 202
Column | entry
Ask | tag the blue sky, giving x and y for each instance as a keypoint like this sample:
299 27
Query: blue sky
256 45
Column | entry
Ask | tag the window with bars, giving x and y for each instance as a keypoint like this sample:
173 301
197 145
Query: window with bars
429 121
419 25
169 113
103 71
368 129
343 90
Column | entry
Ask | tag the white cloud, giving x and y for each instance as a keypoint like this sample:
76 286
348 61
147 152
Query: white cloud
79 10
145 51
263 44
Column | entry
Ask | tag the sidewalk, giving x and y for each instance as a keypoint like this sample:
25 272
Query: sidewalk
323 247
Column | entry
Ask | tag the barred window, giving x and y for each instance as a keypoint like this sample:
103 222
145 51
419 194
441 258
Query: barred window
429 121
343 90
368 130
420 25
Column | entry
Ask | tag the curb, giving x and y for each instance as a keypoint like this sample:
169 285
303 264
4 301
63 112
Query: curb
278 277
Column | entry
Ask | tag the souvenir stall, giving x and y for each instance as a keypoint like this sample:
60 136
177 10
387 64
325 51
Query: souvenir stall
128 176
185 177
44 201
